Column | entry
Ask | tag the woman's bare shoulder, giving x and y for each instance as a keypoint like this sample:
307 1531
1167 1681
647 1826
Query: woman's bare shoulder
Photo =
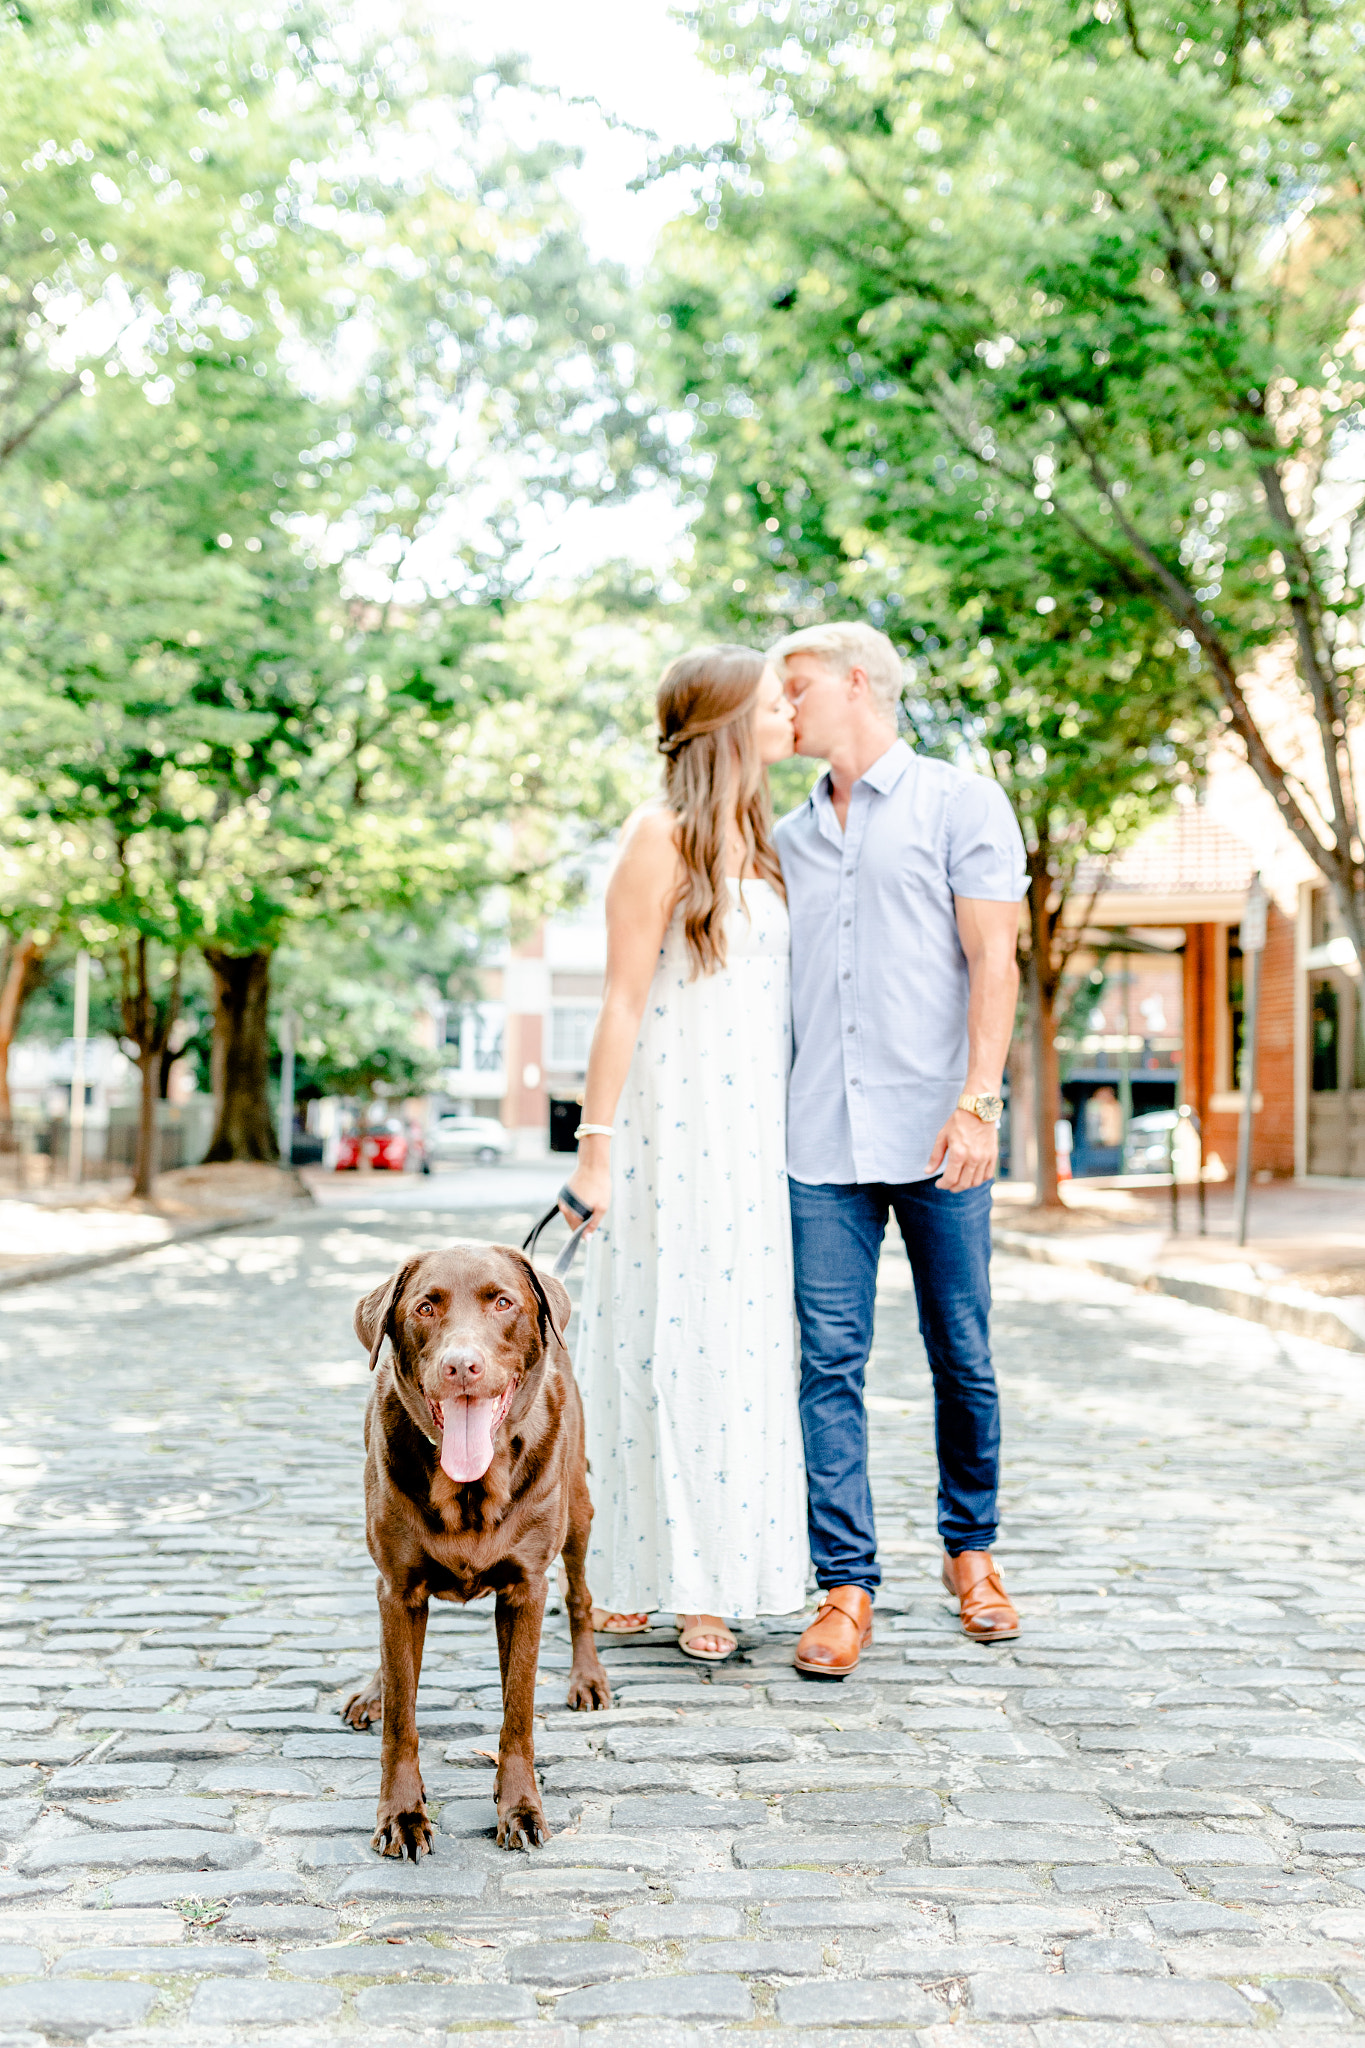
650 836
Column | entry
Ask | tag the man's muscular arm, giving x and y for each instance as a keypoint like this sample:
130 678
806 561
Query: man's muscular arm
965 1149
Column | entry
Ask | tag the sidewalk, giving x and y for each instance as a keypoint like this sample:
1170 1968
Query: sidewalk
1302 1270
49 1232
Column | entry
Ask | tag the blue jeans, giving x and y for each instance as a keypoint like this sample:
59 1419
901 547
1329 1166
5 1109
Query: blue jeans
837 1237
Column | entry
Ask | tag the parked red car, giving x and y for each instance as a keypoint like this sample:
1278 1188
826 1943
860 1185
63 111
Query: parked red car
389 1147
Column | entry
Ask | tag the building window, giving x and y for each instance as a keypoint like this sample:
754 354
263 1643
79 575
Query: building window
474 1031
571 1027
1236 1003
1326 1029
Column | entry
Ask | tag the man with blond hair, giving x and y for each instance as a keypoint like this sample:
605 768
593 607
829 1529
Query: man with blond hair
904 876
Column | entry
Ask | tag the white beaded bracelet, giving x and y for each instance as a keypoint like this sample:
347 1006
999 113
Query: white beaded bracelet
594 1131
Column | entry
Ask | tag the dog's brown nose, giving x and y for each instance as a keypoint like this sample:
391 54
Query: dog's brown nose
463 1369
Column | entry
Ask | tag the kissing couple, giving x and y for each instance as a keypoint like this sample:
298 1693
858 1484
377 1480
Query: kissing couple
803 1030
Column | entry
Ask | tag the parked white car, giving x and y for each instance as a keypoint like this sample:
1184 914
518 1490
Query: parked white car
469 1137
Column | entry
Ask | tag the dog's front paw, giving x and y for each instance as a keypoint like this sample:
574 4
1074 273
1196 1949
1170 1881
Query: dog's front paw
402 1831
366 1704
589 1689
522 1824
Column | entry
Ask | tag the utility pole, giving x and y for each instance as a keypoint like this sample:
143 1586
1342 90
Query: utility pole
1125 1057
75 1134
1253 945
286 1111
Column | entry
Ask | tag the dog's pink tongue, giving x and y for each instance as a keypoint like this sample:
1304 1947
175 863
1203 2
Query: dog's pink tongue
467 1439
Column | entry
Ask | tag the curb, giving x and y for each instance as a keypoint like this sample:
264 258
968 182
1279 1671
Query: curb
86 1262
1294 1313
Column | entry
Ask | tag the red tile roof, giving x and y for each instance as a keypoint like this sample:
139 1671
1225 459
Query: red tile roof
1185 853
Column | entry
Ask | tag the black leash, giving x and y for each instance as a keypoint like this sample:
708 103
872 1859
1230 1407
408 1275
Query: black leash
567 1199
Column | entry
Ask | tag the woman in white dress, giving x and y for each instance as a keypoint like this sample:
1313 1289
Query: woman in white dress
685 1352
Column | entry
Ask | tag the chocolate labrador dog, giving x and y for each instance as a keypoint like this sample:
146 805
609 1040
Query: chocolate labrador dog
475 1482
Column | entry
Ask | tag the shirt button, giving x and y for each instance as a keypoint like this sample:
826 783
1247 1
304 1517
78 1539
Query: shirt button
847 922
848 974
851 1029
854 1083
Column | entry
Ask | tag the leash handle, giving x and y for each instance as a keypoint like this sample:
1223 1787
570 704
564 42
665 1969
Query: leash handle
569 1200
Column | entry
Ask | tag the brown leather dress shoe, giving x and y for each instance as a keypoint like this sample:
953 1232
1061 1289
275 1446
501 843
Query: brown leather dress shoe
985 1607
840 1632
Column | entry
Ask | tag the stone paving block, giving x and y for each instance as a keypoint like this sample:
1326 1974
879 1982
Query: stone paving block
73 2010
323 1817
17 1817
1163 2000
449 2005
225 2004
278 1923
94 1781
688 1810
973 1845
785 1848
768 1744
965 1881
197 1960
385 1878
667 1998
1035 1923
177 1747
886 1808
251 1780
569 1882
258 1886
865 1742
1033 1809
830 1916
134 1814
332 1852
1113 1955
1321 1813
1292 1888
559 1965
679 1923
172 1848
756 1958
19 1961
475 1817
757 1884
856 2005
1183 1846
1081 1879
372 1959
1307 2003
936 1962
1184 1917
597 1774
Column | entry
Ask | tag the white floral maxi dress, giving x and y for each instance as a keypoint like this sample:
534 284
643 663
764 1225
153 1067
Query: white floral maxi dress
686 1352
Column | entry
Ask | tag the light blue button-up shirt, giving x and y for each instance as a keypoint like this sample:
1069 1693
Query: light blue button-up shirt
879 978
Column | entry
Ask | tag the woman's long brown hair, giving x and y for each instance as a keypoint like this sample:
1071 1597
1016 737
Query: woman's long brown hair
713 776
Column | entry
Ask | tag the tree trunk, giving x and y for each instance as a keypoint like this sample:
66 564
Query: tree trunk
241 1056
147 1160
1023 1123
1046 1090
1042 988
24 956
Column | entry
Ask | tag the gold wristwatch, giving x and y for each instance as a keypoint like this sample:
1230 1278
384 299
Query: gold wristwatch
990 1108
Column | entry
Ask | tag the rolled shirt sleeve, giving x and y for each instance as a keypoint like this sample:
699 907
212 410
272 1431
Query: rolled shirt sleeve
985 849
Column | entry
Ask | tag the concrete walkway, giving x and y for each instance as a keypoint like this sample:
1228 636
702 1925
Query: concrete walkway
1302 1268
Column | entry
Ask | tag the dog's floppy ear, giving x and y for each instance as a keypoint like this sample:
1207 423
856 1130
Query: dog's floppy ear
374 1311
551 1294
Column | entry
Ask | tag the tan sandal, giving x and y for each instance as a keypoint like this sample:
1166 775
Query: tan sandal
605 1623
687 1637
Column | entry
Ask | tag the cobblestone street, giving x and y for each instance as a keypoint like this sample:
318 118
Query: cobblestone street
1144 1823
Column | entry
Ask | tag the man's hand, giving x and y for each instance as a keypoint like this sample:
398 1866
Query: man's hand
965 1151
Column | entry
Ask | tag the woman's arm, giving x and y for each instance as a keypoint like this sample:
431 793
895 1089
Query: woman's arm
640 900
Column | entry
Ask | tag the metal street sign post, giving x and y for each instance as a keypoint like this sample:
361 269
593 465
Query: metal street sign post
1253 945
